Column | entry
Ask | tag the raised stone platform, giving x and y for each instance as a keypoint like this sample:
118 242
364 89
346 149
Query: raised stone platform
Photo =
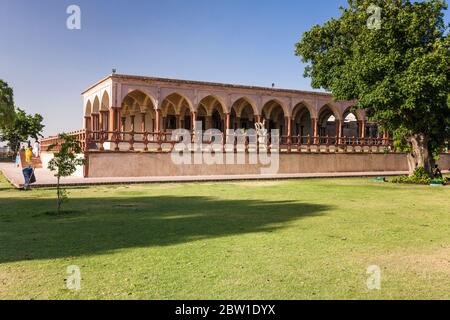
142 164
45 178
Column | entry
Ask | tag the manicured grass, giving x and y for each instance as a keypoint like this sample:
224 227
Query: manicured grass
311 239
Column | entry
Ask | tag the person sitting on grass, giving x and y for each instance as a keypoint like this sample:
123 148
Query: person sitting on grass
437 172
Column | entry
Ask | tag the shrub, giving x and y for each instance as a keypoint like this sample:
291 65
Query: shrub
65 163
420 176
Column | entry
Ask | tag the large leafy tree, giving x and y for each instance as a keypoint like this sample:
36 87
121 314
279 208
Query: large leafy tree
23 127
396 68
6 105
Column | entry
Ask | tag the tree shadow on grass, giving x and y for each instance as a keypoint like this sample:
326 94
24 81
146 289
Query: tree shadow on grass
97 226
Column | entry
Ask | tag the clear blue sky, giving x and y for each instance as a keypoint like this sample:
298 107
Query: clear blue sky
232 41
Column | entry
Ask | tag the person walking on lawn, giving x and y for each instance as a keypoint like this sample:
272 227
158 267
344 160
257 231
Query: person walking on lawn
37 149
28 154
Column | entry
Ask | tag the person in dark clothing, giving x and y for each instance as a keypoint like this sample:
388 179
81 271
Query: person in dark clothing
437 172
30 178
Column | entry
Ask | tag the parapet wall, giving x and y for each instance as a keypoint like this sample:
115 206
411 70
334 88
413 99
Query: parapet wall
133 164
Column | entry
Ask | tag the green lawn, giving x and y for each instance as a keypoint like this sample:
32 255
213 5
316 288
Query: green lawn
311 239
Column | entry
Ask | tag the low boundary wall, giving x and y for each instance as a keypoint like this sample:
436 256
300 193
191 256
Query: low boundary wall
135 164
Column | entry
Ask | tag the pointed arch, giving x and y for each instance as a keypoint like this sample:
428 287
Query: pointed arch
328 125
276 102
350 126
96 105
212 101
186 117
177 99
88 109
239 104
352 123
275 115
301 121
329 107
202 113
351 110
301 107
104 106
143 99
272 105
243 113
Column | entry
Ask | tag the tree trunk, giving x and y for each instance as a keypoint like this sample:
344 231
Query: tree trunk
411 163
420 155
59 196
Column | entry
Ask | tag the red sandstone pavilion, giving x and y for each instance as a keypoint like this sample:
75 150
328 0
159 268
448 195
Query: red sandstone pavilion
129 120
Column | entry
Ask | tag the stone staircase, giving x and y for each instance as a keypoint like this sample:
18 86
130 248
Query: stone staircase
36 162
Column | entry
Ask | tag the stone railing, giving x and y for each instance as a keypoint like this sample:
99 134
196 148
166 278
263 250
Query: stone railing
56 141
129 141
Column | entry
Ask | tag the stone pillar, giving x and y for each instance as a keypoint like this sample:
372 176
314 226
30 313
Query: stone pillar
338 131
288 126
87 123
131 136
158 128
193 120
112 122
315 129
157 121
208 122
132 117
143 122
143 129
122 124
95 125
363 129
101 121
92 123
122 128
257 118
178 125
106 121
227 122
118 119
112 118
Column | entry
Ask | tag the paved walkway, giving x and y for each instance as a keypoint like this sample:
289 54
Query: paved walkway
45 178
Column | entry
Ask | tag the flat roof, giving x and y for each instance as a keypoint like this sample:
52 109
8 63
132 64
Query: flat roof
205 83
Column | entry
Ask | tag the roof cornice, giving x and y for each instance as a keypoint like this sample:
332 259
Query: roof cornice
145 79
